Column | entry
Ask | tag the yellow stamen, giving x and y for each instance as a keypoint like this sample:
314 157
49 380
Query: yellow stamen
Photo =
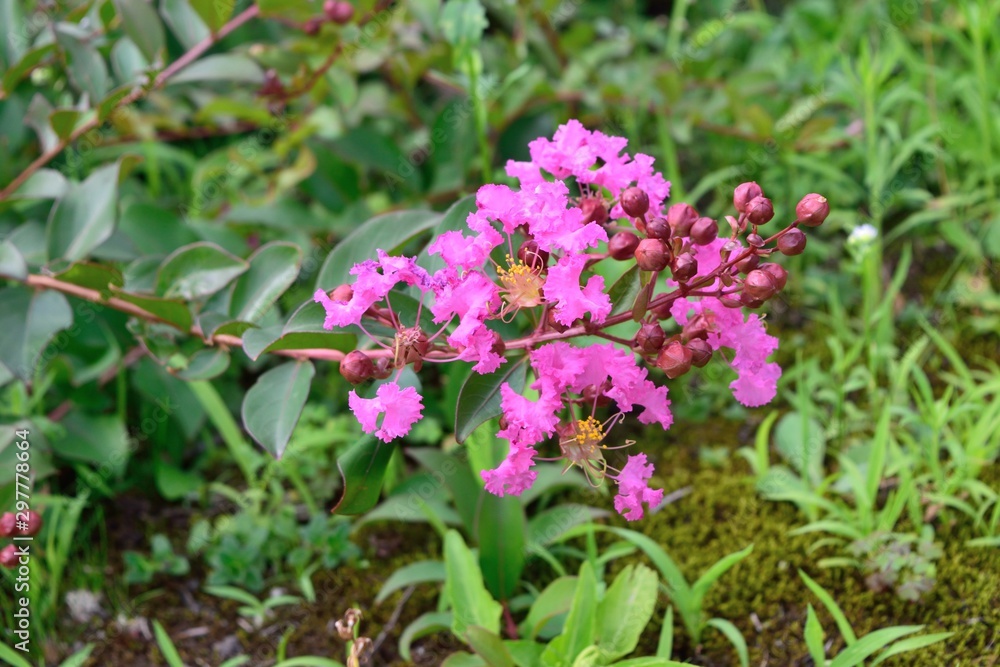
522 284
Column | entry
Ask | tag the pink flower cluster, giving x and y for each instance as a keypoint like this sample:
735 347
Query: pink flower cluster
475 288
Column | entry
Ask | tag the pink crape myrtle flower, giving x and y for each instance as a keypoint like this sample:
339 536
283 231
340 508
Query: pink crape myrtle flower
400 410
633 488
572 302
375 279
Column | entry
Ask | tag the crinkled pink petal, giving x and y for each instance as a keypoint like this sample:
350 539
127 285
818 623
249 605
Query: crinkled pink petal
500 203
568 153
514 474
557 366
401 409
472 298
527 173
757 388
528 422
464 251
478 347
629 383
562 288
633 488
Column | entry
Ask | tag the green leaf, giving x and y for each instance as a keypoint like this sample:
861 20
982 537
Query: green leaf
838 615
462 23
297 10
525 653
734 637
273 269
387 232
87 69
802 444
227 67
705 581
99 277
27 63
479 398
304 330
665 646
214 13
28 321
362 470
79 658
911 644
625 611
43 184
197 270
489 647
458 477
420 572
205 364
166 646
500 524
12 264
272 406
142 24
423 625
580 630
814 637
172 311
625 290
651 662
548 526
13 657
184 22
93 438
871 643
556 599
471 603
463 659
86 215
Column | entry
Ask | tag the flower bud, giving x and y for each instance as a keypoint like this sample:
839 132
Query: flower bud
7 523
748 264
622 245
312 26
792 242
730 302
357 367
650 338
674 359
750 302
9 557
696 328
553 323
778 272
743 193
594 395
383 368
681 217
812 210
755 240
533 257
759 285
338 12
594 210
760 210
652 255
704 231
658 228
635 202
342 293
685 268
701 352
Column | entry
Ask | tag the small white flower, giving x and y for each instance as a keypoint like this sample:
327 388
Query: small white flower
863 235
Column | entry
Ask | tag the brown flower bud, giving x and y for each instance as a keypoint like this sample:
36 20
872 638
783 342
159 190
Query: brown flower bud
594 395
357 367
622 245
533 257
696 328
9 557
704 231
759 285
553 323
312 26
658 228
760 210
701 352
681 217
674 359
792 242
7 523
755 240
635 202
812 210
650 338
777 272
743 193
748 264
652 255
594 210
685 268
730 302
338 12
383 368
750 302
271 88
342 293
345 625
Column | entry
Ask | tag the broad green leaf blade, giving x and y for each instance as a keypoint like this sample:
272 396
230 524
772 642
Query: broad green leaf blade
458 477
911 644
735 638
580 631
624 291
500 528
273 269
184 22
548 526
556 599
705 581
26 64
872 643
479 398
141 23
272 406
420 572
665 646
303 331
99 277
802 444
831 606
197 270
87 69
814 637
625 611
172 311
489 647
28 321
214 13
86 215
388 232
525 653
228 67
471 603
362 470
205 364
12 264
423 625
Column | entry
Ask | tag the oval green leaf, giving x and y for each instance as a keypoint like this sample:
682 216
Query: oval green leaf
272 406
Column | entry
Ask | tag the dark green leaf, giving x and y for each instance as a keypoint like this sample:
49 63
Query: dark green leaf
197 270
273 268
28 321
205 365
500 531
304 331
625 290
272 406
555 600
85 216
87 69
479 399
27 63
141 23
457 475
93 276
362 470
471 603
172 311
99 439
